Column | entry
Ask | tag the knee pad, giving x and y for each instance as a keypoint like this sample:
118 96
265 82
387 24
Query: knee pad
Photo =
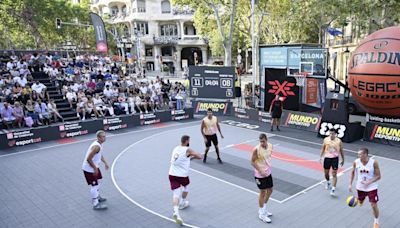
186 188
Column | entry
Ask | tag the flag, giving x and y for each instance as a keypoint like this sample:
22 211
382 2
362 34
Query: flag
100 32
334 32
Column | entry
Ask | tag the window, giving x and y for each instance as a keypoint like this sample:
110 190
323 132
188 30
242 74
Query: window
165 7
124 11
143 27
169 30
166 51
141 6
114 11
149 51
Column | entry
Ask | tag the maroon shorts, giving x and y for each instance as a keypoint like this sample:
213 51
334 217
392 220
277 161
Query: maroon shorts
92 179
372 195
177 182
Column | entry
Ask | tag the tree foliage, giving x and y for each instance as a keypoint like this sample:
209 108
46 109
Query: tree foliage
291 21
31 23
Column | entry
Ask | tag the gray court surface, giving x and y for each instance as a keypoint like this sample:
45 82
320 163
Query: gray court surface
42 185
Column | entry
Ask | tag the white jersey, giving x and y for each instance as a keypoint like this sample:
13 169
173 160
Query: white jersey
96 158
180 162
365 173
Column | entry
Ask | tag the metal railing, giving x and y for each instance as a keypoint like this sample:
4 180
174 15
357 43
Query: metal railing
341 41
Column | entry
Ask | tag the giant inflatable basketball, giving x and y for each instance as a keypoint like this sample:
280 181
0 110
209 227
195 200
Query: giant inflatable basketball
374 72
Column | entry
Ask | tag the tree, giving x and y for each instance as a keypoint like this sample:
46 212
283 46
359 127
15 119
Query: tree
31 23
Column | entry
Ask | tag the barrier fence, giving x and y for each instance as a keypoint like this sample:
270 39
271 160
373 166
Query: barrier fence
70 130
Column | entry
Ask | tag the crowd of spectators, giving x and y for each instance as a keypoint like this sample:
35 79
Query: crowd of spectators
94 87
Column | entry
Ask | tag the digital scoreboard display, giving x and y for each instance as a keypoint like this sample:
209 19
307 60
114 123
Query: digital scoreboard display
212 82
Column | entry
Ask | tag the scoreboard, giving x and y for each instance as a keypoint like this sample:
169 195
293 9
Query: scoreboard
212 82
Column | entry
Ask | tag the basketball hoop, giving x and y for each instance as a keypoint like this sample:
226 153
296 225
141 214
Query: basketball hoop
301 78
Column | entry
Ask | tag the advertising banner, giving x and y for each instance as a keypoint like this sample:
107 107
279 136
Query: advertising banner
264 117
382 133
100 32
26 137
312 91
69 130
153 118
301 120
219 108
245 113
182 114
116 123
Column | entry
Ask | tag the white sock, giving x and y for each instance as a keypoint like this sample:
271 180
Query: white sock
94 193
261 210
176 209
265 207
376 220
333 188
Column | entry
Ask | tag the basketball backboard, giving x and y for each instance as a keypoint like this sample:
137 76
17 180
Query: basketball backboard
312 61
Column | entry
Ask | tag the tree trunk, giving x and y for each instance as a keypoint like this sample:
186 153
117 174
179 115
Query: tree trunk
228 54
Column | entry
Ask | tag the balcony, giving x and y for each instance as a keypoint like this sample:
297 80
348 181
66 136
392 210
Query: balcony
166 40
343 41
182 10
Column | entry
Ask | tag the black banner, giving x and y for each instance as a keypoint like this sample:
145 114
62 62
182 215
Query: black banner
212 82
26 137
245 113
264 117
301 120
69 130
218 108
382 119
182 114
100 32
116 123
382 133
153 118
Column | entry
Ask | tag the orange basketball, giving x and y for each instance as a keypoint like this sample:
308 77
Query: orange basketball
374 72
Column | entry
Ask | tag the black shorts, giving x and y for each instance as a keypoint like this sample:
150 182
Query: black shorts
211 138
276 114
331 162
265 182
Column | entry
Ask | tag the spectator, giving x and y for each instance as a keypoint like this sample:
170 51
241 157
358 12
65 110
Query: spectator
43 112
7 115
52 107
39 87
99 104
71 97
30 112
19 114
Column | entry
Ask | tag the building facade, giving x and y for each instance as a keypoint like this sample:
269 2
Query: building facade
163 36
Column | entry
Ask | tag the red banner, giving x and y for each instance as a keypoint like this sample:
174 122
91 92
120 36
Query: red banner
312 91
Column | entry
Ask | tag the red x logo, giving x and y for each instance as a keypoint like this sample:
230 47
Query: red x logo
284 88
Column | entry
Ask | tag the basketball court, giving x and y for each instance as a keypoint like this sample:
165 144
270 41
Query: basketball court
54 192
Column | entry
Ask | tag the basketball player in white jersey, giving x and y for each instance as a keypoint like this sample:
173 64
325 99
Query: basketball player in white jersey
91 169
261 161
209 129
368 173
179 176
331 148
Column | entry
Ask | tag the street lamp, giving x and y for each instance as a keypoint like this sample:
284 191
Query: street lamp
346 55
254 36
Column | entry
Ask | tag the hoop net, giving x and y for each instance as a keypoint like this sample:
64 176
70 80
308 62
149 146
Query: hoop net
301 78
